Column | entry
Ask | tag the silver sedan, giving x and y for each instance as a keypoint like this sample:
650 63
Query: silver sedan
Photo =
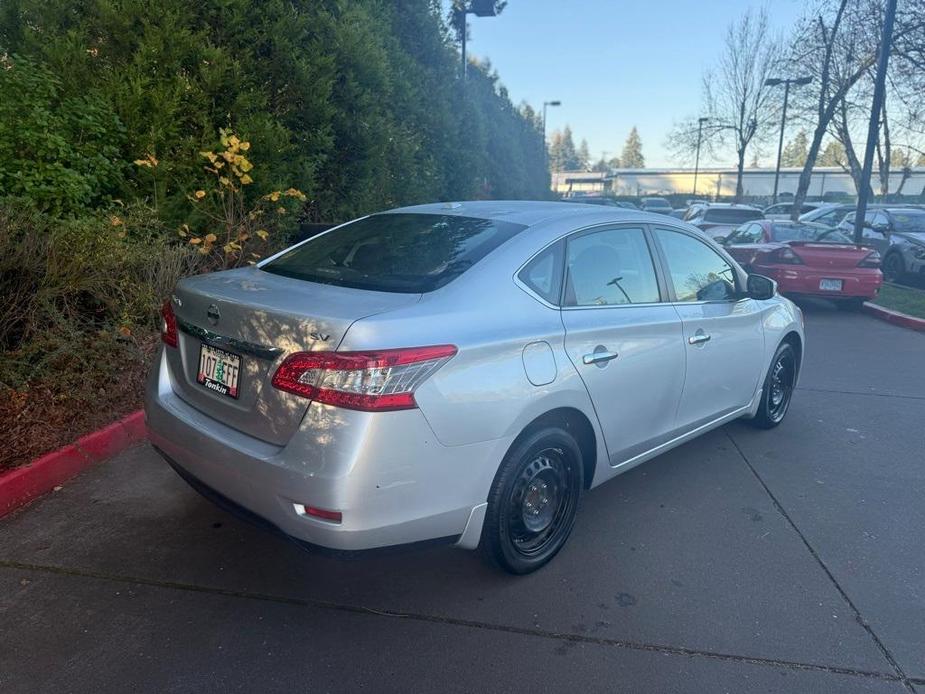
461 372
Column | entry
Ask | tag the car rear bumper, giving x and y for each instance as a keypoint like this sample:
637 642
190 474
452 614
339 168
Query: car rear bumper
856 283
386 473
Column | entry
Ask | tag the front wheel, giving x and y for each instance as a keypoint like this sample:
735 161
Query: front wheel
778 388
893 267
533 501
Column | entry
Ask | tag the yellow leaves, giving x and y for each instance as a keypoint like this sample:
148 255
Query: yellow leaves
199 194
116 221
195 240
149 162
244 164
280 210
183 231
274 196
246 180
224 180
209 155
244 146
262 233
125 331
295 193
211 238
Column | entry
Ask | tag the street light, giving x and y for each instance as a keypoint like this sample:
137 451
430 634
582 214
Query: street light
545 104
480 8
773 82
700 122
545 147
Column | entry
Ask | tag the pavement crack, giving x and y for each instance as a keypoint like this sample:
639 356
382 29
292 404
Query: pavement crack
457 622
900 675
835 391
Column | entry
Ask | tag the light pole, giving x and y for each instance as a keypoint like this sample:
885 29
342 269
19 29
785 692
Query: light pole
773 82
480 8
700 122
886 38
545 146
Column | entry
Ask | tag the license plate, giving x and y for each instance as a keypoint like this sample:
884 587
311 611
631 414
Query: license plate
830 285
219 370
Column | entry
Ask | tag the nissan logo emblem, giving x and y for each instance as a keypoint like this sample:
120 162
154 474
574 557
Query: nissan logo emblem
213 314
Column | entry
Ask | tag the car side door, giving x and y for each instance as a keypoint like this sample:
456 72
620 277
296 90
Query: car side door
623 337
723 336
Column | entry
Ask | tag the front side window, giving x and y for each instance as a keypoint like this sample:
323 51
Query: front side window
697 272
403 252
611 267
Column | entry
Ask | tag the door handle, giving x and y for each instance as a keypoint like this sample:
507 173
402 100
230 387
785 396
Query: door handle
599 357
697 339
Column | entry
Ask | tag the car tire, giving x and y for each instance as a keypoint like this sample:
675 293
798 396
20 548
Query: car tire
852 304
777 390
893 267
533 501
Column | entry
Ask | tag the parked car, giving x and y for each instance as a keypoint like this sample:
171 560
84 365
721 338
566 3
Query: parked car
808 259
899 234
678 214
783 210
829 214
659 205
719 219
460 372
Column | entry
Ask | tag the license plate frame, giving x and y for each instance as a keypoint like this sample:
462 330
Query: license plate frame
219 370
831 285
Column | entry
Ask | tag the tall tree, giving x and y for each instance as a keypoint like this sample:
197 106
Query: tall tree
832 155
584 156
736 99
794 153
632 158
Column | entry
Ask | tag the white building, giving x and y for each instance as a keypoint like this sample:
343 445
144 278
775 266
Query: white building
721 182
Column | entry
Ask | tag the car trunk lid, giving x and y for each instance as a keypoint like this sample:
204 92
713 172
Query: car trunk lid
261 318
829 255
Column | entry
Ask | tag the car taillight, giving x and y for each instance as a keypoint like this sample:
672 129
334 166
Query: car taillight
872 259
168 325
786 256
373 381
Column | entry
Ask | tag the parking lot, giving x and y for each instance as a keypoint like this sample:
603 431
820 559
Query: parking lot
784 560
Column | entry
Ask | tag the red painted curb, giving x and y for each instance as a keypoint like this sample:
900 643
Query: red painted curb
895 317
23 484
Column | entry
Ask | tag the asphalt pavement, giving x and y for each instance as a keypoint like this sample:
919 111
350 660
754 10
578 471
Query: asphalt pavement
745 561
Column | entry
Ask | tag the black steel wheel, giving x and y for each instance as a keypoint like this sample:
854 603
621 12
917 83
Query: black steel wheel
533 501
778 388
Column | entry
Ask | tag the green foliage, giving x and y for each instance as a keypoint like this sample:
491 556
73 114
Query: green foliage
563 156
632 158
58 150
795 152
358 103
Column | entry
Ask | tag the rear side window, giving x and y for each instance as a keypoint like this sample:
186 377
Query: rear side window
406 253
543 274
611 267
729 215
697 272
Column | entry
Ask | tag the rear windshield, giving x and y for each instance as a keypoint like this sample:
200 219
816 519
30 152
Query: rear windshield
407 253
728 215
796 232
656 202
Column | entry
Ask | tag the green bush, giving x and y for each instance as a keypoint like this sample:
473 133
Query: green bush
59 151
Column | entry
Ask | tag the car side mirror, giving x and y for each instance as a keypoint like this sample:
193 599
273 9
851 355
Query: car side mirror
721 240
760 287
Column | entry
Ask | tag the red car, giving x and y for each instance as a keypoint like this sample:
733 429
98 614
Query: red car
808 260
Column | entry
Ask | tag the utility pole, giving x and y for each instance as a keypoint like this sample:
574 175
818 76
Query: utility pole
772 82
700 122
886 39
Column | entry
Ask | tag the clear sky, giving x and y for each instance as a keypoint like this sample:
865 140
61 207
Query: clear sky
613 63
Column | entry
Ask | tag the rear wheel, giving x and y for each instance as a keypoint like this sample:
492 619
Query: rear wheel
533 501
893 267
778 388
